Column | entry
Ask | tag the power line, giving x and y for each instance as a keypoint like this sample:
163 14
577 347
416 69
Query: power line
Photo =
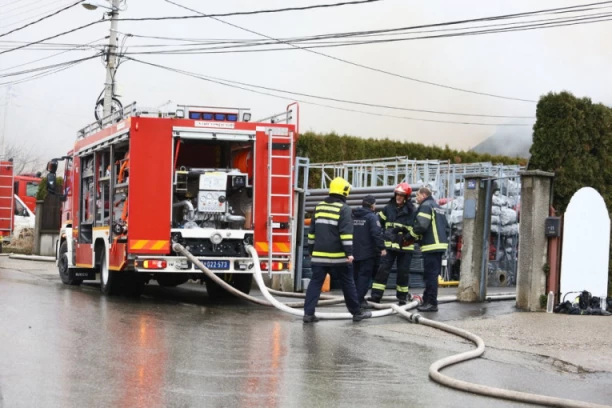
248 13
40 10
47 67
373 105
79 47
41 19
223 47
232 85
47 73
239 13
361 65
51 37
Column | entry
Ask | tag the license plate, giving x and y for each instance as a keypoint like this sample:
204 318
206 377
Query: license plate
216 265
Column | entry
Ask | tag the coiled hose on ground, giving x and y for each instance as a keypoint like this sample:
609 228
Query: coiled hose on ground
388 309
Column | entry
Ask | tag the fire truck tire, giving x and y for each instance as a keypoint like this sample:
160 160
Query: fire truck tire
109 280
133 285
240 281
62 266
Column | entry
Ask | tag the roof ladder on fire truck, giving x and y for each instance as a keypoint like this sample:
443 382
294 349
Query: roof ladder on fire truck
275 177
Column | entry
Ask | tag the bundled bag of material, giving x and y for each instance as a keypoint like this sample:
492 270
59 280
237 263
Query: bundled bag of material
457 204
507 216
496 210
495 220
456 217
512 229
499 200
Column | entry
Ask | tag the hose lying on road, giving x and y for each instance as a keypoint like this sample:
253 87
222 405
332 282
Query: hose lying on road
437 376
270 300
388 309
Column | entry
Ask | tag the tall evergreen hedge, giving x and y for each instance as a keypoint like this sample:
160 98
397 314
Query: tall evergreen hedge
333 147
573 138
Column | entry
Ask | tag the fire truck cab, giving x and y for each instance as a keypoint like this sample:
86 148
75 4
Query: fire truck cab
205 177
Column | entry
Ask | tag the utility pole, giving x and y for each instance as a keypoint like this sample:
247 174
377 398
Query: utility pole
111 64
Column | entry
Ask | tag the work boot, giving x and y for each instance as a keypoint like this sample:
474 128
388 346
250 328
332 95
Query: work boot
310 319
428 307
365 305
402 301
373 299
363 315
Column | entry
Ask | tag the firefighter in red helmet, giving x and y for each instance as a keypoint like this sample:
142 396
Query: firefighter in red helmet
397 218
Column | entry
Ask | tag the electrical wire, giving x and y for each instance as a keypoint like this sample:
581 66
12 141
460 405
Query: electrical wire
373 105
244 88
86 46
369 33
248 13
42 18
319 38
40 75
223 48
239 13
365 66
51 37
43 71
39 10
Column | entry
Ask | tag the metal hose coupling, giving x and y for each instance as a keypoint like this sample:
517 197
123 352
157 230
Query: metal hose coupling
414 318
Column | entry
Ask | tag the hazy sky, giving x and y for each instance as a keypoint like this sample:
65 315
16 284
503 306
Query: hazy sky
48 111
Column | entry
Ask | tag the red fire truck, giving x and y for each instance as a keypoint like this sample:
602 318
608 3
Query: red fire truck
205 177
26 187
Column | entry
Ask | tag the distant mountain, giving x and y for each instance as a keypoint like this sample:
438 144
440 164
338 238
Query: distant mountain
510 141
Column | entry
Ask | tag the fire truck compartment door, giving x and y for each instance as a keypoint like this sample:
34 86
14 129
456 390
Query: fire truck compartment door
214 134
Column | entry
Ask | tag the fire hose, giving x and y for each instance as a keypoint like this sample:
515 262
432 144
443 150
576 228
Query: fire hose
388 309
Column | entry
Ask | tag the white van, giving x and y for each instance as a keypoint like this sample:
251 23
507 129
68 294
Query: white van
23 217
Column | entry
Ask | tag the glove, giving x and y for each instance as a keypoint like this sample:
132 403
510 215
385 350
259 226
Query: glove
407 241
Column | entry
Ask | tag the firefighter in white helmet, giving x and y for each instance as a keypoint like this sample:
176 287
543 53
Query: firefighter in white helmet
330 242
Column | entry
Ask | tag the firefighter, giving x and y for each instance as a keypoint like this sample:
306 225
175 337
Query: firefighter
397 218
330 242
367 244
431 224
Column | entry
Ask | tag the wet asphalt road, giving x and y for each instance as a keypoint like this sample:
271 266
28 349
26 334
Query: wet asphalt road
66 347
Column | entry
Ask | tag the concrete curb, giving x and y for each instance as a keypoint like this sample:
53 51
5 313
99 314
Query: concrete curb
33 258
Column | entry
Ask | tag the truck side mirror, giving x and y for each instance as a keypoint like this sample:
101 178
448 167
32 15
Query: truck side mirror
51 181
52 167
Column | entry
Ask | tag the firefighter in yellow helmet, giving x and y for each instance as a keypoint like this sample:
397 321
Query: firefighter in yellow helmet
330 243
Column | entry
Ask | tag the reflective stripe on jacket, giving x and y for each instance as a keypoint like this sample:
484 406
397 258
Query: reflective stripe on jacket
431 223
330 237
397 224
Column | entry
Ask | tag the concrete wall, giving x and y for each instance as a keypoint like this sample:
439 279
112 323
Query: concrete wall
533 243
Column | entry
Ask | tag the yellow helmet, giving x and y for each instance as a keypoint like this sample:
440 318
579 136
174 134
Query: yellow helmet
339 186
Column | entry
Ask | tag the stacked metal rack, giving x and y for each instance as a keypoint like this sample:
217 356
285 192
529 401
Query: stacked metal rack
378 177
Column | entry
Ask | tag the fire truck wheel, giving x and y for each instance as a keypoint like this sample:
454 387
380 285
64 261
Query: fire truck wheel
109 280
62 265
240 281
133 285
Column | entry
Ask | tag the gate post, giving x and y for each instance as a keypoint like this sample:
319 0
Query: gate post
37 227
533 243
474 251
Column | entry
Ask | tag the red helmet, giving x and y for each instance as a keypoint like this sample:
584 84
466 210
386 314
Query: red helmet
403 188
